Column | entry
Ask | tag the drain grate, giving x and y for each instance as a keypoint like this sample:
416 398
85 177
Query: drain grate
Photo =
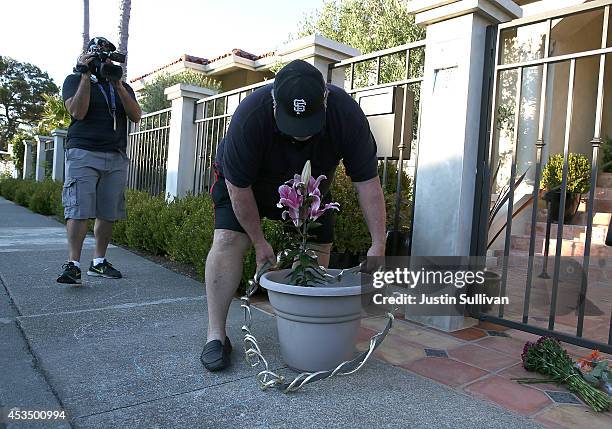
563 397
436 353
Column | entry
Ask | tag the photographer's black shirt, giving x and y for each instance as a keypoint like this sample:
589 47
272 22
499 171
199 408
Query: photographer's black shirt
255 153
95 131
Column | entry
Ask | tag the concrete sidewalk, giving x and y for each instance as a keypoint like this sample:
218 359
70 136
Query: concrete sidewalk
125 354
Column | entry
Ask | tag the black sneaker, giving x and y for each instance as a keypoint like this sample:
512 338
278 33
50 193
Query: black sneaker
71 274
216 356
103 269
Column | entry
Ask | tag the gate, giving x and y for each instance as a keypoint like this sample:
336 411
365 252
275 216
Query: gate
545 129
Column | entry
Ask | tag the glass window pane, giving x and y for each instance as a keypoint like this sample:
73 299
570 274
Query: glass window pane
576 33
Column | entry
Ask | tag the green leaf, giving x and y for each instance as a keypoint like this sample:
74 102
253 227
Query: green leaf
591 379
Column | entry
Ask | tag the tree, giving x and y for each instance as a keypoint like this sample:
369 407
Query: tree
85 25
22 87
153 93
124 24
372 25
368 25
54 115
19 147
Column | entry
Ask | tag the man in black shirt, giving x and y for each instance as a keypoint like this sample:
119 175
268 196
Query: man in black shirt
273 132
96 162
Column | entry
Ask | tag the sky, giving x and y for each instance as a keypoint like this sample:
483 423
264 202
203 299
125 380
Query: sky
48 33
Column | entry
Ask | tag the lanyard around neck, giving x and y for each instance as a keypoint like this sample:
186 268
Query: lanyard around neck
111 105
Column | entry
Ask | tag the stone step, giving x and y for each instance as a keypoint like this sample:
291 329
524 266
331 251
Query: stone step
568 247
601 206
604 180
599 218
601 193
571 232
598 271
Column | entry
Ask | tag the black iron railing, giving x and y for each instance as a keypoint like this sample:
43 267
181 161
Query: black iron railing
537 92
148 152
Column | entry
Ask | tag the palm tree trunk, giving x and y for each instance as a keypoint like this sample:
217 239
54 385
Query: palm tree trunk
85 24
124 23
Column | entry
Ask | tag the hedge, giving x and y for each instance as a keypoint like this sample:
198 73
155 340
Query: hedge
182 230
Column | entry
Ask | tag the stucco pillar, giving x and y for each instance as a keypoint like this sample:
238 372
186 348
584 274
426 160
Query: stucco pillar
182 144
450 121
59 136
39 172
28 160
320 52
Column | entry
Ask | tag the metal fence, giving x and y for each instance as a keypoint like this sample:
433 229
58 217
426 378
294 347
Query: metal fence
148 152
536 88
387 85
213 115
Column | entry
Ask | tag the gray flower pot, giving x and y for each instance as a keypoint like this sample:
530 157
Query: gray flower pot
317 326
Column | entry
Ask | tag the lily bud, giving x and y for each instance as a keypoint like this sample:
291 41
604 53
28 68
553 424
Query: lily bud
306 173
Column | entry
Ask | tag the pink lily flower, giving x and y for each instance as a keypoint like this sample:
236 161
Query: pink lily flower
315 210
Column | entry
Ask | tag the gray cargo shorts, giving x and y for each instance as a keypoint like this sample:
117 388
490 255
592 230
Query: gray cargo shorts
94 185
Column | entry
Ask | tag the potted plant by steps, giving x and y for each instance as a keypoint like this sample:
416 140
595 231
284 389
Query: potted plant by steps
578 183
317 313
492 279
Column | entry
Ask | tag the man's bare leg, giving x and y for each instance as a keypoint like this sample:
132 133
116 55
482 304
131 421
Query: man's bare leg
77 230
103 231
222 277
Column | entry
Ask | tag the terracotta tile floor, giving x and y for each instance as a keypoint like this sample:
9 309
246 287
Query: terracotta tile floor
479 363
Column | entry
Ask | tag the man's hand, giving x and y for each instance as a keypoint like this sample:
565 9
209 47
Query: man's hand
131 106
264 253
372 204
84 60
375 258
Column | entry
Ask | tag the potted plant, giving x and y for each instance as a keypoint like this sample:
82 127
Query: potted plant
492 280
317 312
578 183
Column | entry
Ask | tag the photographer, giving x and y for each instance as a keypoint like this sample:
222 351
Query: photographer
96 162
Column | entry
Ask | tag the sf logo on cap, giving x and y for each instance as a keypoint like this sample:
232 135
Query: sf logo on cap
299 105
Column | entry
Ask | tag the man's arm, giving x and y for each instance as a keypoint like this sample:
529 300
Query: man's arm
245 208
130 105
78 104
372 204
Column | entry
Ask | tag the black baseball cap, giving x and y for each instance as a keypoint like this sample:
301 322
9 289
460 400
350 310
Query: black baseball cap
299 92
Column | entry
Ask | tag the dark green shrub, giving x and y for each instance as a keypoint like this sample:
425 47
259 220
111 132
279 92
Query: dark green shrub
607 155
24 191
8 186
191 234
351 232
44 197
143 229
579 173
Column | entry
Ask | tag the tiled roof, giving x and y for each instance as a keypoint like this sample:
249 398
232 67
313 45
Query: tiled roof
204 61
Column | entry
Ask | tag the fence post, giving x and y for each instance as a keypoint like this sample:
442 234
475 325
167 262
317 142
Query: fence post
28 160
449 130
39 172
182 138
320 52
58 154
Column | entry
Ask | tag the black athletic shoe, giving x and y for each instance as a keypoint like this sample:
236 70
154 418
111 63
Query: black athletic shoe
104 269
216 356
71 274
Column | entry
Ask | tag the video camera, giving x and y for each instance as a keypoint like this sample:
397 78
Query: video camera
102 49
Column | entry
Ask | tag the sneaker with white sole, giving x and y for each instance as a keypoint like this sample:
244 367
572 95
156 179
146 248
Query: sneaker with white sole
103 269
